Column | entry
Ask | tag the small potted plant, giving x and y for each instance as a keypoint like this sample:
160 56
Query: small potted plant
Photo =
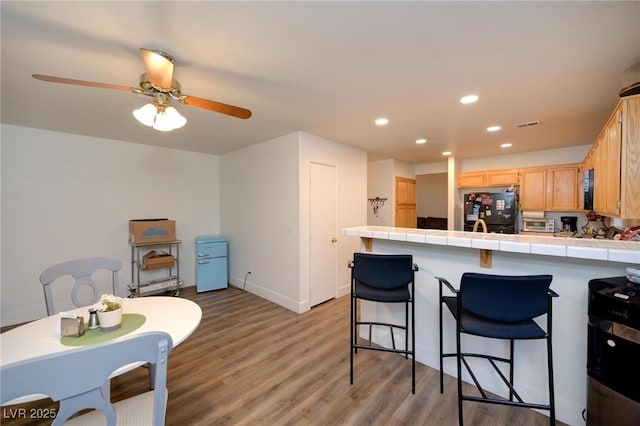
109 310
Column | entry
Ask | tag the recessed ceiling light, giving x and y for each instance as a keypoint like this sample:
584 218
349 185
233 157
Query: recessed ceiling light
469 99
446 153
382 121
421 141
506 145
493 128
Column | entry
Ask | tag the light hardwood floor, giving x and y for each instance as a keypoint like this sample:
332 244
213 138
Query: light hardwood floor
251 362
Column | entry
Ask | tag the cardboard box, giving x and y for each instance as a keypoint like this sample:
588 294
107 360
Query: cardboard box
154 260
151 231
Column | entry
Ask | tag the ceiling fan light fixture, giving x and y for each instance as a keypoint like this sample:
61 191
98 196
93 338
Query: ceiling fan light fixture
164 119
168 120
177 119
146 114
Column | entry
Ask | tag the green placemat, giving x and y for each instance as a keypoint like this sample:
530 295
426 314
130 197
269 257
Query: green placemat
130 322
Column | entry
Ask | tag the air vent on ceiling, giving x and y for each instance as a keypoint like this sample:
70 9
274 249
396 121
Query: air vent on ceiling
528 124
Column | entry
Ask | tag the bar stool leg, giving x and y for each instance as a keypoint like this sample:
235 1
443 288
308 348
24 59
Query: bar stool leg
413 348
441 350
353 325
552 404
511 367
459 361
406 330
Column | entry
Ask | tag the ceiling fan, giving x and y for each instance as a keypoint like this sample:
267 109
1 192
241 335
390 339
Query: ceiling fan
158 83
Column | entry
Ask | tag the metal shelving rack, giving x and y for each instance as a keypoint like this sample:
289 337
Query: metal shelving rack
171 282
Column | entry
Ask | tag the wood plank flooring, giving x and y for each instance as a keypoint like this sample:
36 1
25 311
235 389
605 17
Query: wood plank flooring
251 362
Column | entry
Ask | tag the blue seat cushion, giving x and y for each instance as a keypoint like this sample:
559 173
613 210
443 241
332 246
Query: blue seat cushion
399 294
480 326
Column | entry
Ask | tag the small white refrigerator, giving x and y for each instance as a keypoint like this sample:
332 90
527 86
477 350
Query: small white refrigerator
211 263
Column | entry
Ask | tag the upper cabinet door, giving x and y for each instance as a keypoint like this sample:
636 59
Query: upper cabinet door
562 188
613 135
502 177
487 178
533 184
472 179
630 159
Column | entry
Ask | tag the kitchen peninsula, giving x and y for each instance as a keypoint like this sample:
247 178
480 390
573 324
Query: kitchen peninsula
572 262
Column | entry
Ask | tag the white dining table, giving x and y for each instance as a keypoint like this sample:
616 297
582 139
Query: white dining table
175 316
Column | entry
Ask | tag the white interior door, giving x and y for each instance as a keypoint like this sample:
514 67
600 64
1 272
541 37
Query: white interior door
322 233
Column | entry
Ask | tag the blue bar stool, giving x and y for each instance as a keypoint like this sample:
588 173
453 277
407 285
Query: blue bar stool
385 279
499 307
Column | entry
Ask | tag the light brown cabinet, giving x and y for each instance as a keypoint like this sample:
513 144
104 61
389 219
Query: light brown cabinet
562 188
615 159
606 166
487 178
533 182
405 208
502 177
472 179
552 188
630 159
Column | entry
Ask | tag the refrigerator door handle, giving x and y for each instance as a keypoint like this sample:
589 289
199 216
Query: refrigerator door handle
202 255
202 262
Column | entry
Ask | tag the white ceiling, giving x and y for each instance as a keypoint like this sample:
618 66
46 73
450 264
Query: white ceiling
330 69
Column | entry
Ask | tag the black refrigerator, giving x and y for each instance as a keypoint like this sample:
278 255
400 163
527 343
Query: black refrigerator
497 209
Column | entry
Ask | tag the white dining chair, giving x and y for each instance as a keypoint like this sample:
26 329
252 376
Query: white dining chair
75 378
82 270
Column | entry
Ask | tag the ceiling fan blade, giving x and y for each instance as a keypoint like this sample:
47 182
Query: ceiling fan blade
216 107
53 79
159 67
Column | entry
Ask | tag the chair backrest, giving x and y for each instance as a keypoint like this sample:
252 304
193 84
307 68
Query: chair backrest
383 271
82 271
75 377
508 298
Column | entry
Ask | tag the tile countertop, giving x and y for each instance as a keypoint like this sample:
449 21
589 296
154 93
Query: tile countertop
581 248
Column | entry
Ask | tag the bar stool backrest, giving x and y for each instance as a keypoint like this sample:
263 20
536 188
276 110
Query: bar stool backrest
505 298
383 271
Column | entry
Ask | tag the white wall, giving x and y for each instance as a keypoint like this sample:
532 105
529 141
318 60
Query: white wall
259 199
431 195
351 166
431 168
265 213
380 183
67 196
574 154
405 170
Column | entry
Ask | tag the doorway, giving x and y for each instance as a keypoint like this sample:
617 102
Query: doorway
405 202
323 272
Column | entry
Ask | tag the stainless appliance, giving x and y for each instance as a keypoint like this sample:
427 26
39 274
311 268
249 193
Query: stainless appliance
588 189
538 224
613 351
211 263
497 209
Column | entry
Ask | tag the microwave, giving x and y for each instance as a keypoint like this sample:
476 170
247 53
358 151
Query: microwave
538 225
